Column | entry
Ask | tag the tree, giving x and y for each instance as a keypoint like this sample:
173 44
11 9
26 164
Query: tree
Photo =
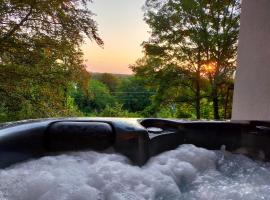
58 20
193 35
117 111
171 87
100 96
40 54
110 80
222 49
133 94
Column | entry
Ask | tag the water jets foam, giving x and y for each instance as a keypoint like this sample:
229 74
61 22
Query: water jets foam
185 173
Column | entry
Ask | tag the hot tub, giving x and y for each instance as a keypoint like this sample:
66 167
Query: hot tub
138 139
134 159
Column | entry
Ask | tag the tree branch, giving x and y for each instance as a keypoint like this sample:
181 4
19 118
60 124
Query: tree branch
17 26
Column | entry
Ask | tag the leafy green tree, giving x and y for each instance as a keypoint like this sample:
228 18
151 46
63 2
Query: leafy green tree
170 85
57 20
100 96
81 98
40 54
3 113
133 94
197 36
110 80
117 111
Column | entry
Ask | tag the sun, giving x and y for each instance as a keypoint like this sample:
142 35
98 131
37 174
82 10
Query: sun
209 68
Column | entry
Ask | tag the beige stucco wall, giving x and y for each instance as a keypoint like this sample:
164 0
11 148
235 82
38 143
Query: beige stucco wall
252 87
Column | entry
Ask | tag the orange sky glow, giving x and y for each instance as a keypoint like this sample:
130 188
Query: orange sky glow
122 29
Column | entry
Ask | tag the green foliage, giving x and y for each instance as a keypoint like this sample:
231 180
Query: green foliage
133 94
72 108
186 111
100 101
40 56
191 52
60 21
165 112
117 111
42 72
80 99
3 114
207 109
100 96
110 80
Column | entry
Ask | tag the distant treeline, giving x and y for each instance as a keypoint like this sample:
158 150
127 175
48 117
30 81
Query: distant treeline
136 96
113 96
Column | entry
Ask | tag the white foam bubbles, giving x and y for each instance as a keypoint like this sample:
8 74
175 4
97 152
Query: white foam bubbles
185 173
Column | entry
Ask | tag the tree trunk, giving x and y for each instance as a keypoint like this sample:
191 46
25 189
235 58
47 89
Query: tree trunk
215 102
226 102
198 99
198 87
215 91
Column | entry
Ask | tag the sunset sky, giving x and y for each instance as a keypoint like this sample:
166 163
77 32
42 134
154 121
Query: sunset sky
122 29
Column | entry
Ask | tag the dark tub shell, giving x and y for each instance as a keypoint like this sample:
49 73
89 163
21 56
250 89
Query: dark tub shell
134 138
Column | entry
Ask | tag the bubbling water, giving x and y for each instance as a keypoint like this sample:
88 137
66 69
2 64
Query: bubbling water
187 173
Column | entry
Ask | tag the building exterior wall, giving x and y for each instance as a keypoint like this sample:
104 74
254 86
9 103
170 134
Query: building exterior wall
252 86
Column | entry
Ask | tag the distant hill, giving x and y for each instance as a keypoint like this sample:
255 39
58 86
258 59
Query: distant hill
97 74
